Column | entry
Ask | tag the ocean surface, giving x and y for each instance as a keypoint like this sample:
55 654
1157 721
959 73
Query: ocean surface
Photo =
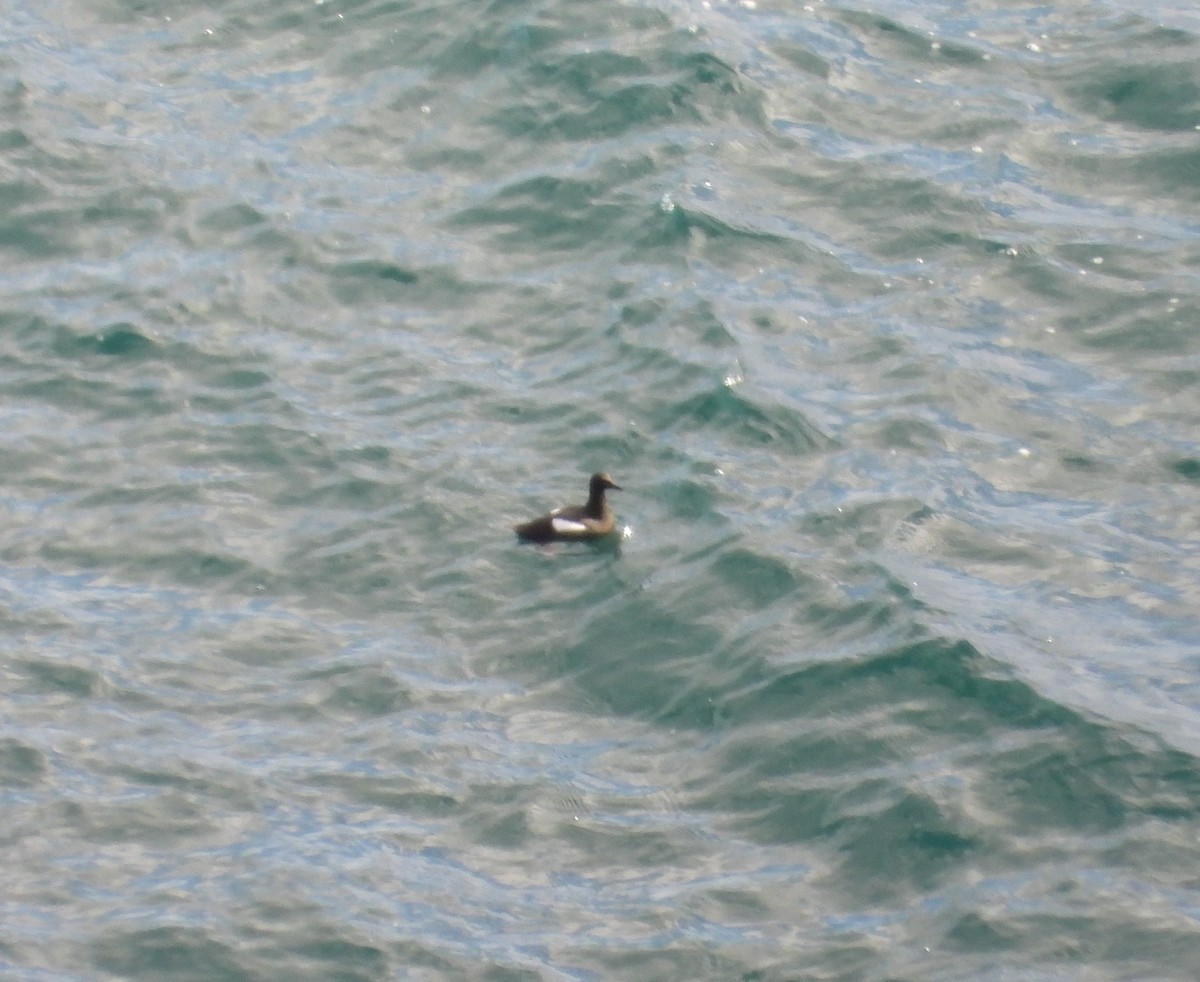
886 315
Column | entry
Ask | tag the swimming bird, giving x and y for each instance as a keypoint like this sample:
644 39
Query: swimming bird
575 522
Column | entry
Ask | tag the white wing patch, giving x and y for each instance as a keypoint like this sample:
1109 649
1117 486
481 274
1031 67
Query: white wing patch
564 526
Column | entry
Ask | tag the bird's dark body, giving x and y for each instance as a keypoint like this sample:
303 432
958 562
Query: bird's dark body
576 522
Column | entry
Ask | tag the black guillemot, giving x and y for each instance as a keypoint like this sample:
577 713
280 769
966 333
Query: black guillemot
575 522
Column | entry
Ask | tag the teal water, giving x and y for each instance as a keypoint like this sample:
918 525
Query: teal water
885 318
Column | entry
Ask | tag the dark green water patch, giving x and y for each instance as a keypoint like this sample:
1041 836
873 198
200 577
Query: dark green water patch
399 793
1095 778
168 819
912 844
42 675
742 421
834 752
373 269
1163 96
800 57
20 764
658 330
138 211
601 94
120 340
977 932
341 958
545 213
644 664
1167 172
189 954
33 235
1186 467
888 39
497 816
369 279
124 341
757 579
727 239
1062 786
688 500
363 694
231 218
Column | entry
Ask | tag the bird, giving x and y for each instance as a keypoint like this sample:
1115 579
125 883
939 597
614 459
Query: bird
575 523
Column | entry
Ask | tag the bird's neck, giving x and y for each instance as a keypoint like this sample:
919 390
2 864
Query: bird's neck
595 503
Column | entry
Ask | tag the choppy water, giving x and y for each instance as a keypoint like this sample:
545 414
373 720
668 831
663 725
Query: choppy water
885 317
